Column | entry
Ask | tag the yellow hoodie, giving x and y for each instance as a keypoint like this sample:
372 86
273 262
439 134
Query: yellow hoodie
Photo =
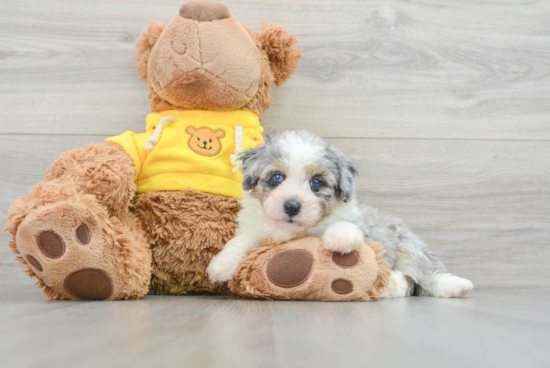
191 149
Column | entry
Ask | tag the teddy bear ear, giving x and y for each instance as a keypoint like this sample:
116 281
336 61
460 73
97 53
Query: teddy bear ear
144 45
282 50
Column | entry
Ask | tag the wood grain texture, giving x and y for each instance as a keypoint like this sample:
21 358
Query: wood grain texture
443 104
373 69
489 328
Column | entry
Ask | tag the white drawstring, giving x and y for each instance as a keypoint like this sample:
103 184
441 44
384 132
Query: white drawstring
154 139
236 158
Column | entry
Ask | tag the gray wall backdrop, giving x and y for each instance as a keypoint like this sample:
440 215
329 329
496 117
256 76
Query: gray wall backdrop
443 104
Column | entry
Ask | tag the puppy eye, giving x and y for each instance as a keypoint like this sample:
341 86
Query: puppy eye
278 178
315 184
211 141
198 139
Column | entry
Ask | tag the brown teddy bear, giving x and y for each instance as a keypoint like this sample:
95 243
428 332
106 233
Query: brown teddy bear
145 213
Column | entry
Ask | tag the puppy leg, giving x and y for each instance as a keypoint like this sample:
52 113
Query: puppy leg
416 261
225 264
343 237
399 286
445 285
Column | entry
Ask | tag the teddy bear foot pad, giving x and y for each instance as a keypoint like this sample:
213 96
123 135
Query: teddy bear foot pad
75 250
291 268
304 270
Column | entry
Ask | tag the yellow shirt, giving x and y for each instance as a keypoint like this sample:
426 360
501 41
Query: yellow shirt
193 150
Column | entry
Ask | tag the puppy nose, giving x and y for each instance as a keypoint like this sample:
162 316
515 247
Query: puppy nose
292 208
204 11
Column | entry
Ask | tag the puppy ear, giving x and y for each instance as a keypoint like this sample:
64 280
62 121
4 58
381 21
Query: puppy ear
251 167
345 188
144 45
282 50
190 130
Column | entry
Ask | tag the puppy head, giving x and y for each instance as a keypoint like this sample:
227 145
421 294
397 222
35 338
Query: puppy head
298 178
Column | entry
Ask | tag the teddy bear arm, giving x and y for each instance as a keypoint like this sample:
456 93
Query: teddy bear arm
104 170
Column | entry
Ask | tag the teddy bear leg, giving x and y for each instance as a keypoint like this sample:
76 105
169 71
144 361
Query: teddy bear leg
304 270
77 251
74 231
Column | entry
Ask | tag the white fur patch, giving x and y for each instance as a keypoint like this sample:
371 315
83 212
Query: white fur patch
225 264
223 267
342 237
445 285
292 187
397 287
348 212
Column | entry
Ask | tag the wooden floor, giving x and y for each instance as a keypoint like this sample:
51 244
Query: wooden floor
490 328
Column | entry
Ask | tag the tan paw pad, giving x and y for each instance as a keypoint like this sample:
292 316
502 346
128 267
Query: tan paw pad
349 260
51 244
34 262
303 269
290 268
72 247
342 286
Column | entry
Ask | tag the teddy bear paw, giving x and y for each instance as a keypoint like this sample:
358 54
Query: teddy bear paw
72 250
304 270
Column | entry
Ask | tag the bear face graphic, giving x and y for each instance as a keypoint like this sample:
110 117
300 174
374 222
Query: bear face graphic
205 141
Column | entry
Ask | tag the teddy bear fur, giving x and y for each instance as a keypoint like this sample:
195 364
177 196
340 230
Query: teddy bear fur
157 242
328 276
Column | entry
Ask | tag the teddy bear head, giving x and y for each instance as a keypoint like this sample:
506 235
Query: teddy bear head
205 59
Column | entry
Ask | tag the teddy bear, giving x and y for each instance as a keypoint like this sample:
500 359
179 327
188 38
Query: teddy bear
146 212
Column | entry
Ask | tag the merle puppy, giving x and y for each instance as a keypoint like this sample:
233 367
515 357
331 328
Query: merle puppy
297 185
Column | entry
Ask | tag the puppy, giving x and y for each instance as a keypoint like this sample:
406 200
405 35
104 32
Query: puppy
297 185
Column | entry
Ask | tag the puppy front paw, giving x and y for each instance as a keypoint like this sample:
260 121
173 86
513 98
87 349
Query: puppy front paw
342 237
451 286
224 266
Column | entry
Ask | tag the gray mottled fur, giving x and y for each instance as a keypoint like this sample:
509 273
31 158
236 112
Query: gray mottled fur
405 251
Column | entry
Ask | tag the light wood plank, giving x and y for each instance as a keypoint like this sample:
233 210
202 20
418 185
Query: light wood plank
372 69
490 328
482 205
